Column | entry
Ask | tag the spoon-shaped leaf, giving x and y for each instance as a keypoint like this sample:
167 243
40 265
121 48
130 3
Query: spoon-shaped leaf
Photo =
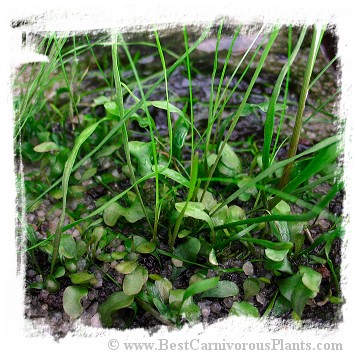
46 146
112 213
311 279
251 287
133 282
243 308
222 290
116 301
71 300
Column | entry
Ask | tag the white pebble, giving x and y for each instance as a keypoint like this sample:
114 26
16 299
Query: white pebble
248 268
95 321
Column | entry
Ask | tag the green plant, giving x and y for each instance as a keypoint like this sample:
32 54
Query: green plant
184 194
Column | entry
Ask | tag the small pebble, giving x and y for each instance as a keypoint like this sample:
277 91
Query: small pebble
85 319
92 310
119 278
85 302
44 307
115 173
31 273
105 267
260 298
81 264
76 233
92 295
43 294
121 248
39 278
211 273
56 318
324 225
41 214
66 317
95 321
31 218
216 308
64 328
106 163
228 302
114 263
205 312
248 268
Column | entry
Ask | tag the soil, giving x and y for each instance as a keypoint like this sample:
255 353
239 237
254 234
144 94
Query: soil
45 308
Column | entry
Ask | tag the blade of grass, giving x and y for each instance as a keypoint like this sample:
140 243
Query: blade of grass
84 135
188 68
270 114
240 109
316 39
210 106
117 79
193 181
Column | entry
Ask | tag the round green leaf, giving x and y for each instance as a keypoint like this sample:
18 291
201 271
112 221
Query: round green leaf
164 286
112 213
251 287
311 279
243 308
67 246
223 289
146 247
116 301
118 255
276 255
188 250
81 278
88 174
59 272
133 282
46 146
71 300
126 267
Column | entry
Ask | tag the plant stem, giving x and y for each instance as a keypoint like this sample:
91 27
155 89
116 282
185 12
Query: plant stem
317 37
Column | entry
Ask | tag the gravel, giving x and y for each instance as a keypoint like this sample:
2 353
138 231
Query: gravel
248 268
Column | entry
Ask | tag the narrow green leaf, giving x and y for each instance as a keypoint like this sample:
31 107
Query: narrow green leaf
200 286
84 135
175 176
